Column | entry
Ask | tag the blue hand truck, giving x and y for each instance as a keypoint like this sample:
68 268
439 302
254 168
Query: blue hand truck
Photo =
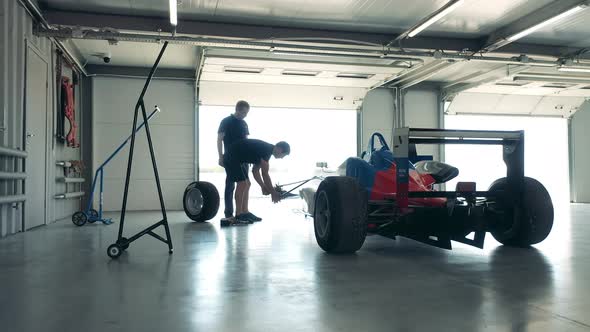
91 215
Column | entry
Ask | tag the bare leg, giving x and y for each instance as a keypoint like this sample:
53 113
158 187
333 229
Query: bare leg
241 190
246 198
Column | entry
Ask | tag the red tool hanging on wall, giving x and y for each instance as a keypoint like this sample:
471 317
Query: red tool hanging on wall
67 104
60 118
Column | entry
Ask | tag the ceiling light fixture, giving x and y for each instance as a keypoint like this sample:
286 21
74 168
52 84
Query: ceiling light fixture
293 72
435 17
173 12
246 70
354 75
547 22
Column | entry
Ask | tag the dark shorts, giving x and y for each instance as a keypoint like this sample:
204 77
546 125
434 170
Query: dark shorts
236 172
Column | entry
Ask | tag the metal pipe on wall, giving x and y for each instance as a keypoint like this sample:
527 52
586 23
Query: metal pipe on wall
71 180
12 176
70 195
12 199
8 152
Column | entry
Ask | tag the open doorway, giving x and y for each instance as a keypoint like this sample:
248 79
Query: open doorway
546 152
315 135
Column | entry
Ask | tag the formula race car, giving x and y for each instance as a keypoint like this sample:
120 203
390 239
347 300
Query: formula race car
391 193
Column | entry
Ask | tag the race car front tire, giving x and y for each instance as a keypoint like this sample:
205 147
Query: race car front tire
535 219
340 215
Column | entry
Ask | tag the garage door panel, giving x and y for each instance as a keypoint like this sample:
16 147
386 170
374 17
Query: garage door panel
501 104
474 103
117 99
302 80
174 158
511 104
558 106
173 132
143 195
270 95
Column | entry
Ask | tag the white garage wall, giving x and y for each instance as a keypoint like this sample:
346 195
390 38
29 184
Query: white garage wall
421 110
579 155
377 115
172 131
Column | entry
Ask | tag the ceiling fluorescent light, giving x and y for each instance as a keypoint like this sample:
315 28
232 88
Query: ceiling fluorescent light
247 70
290 72
173 12
548 22
574 69
444 11
354 75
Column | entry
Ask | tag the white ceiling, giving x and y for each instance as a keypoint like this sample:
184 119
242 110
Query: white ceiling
138 54
476 18
572 32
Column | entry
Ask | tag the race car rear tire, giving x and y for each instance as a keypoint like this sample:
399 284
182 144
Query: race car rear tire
340 215
535 218
200 201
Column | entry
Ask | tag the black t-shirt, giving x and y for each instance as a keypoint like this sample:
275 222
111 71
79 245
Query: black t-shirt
234 129
249 151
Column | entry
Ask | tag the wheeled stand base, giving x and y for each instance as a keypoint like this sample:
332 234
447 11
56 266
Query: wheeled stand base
116 249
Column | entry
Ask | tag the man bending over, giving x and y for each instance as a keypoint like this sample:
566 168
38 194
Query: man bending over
258 153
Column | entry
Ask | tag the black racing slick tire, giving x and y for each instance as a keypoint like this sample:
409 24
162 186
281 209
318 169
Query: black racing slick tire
532 223
201 201
340 215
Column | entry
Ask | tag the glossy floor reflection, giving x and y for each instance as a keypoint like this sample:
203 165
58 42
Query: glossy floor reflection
272 276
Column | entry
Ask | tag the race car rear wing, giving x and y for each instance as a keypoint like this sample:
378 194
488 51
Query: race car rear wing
405 138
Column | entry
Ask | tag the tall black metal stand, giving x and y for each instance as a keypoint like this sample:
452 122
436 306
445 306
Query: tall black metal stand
116 249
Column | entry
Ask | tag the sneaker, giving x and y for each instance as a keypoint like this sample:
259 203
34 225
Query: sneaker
244 218
253 217
231 221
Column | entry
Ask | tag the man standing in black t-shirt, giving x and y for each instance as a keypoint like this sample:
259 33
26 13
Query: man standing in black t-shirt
232 129
258 153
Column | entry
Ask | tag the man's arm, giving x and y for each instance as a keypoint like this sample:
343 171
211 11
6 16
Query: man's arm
268 182
220 137
258 179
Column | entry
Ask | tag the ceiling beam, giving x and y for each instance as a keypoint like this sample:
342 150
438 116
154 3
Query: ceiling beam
260 32
501 37
140 72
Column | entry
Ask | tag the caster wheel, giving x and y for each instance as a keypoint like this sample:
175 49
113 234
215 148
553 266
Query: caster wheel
123 243
171 251
92 216
114 251
79 218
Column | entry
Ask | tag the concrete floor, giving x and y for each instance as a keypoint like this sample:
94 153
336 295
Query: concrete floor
272 276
